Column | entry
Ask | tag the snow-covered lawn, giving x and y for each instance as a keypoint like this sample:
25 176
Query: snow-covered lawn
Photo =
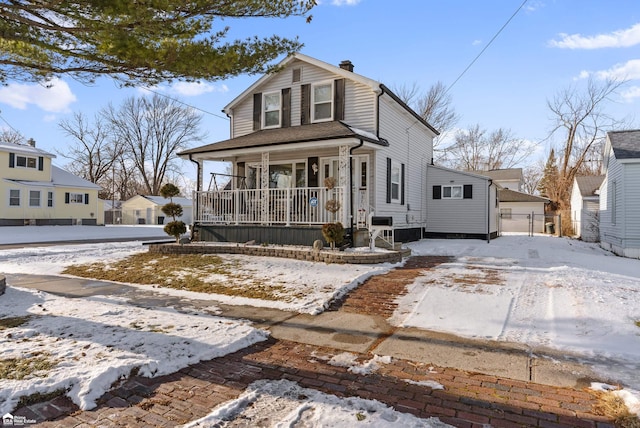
541 291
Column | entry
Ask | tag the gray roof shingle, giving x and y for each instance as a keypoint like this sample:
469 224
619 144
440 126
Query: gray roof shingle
293 134
625 144
588 184
507 195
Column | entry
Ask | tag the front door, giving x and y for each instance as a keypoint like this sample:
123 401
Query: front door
329 167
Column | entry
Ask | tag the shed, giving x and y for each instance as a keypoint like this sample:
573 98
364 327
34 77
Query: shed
585 207
521 212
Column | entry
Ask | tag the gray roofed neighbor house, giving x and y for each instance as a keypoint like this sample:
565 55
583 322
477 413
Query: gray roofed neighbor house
293 134
589 184
625 144
506 195
504 174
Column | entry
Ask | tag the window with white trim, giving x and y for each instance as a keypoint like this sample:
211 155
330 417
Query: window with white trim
34 198
50 199
322 102
396 181
14 197
26 162
451 192
76 198
271 108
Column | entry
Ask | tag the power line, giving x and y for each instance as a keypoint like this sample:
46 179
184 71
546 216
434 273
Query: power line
185 104
487 45
8 124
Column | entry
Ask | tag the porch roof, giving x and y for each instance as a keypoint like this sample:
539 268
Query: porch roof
294 134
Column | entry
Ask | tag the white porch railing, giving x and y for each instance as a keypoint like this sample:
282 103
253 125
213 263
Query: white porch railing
303 205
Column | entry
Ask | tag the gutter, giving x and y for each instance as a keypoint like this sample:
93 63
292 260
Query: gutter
351 185
489 211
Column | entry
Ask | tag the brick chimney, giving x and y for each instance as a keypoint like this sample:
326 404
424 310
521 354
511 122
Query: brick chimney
31 142
346 65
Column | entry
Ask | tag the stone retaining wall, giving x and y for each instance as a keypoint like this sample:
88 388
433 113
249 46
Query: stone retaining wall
299 253
3 284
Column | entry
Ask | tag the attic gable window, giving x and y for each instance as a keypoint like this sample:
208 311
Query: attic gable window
271 108
322 102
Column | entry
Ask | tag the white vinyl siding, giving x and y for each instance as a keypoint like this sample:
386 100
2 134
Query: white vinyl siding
459 216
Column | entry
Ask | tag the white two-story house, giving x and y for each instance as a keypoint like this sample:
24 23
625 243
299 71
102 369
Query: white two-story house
36 192
293 130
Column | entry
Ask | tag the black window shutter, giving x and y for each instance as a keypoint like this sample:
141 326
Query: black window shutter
12 160
312 172
86 199
388 180
437 192
66 197
402 184
338 99
467 191
257 111
40 163
286 107
305 104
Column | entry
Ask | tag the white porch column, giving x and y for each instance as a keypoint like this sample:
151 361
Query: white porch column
343 182
264 188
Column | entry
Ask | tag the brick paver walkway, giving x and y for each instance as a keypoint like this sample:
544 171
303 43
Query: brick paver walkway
467 400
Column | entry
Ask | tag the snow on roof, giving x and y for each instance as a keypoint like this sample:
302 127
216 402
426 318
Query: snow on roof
159 200
60 177
24 149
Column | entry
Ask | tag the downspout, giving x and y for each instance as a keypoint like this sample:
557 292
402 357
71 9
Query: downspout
489 211
378 111
351 185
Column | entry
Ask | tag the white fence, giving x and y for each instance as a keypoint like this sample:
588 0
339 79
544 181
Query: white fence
303 205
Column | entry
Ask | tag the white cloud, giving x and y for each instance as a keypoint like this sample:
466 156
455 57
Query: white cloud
631 94
617 39
345 2
629 70
476 42
54 97
189 89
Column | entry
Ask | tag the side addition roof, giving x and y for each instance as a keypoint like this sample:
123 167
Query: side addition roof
507 195
625 144
589 184
504 174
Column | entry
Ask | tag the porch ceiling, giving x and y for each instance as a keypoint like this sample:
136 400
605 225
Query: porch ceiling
271 138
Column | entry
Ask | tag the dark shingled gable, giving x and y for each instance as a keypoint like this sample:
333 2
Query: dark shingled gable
294 134
625 144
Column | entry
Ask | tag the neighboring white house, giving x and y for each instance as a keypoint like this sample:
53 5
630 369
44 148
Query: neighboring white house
508 178
585 207
521 212
620 194
460 204
37 192
148 210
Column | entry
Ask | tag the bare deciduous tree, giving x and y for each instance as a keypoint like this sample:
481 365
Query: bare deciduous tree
580 117
434 106
11 136
475 149
93 154
531 176
152 131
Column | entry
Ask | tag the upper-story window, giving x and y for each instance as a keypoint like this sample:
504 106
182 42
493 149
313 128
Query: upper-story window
322 102
271 108
26 162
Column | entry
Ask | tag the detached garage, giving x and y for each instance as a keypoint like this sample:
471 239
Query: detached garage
460 205
148 210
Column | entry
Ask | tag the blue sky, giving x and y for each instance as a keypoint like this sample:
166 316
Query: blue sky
548 46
